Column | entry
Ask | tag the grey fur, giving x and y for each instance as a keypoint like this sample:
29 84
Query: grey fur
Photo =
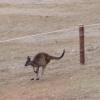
41 60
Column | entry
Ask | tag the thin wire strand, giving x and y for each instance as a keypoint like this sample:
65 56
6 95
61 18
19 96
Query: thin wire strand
39 34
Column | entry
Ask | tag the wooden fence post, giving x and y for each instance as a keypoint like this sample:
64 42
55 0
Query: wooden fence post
82 48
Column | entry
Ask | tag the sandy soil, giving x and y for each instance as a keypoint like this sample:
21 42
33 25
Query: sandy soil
65 79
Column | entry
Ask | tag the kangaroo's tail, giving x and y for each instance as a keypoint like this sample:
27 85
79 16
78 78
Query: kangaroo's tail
57 58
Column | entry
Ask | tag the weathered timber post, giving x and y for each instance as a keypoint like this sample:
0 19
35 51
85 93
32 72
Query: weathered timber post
82 48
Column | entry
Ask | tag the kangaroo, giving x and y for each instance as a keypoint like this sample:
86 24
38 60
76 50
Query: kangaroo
41 60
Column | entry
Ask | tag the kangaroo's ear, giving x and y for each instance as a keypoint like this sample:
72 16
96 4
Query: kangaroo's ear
28 58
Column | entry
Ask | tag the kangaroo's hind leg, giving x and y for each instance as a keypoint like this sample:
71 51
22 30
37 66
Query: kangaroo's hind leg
43 69
37 73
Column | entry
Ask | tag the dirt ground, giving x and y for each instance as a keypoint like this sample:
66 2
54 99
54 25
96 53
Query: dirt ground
65 79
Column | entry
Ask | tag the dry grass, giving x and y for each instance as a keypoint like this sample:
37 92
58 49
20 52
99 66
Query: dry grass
65 79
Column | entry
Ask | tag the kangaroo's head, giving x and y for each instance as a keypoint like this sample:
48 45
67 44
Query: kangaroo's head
28 62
